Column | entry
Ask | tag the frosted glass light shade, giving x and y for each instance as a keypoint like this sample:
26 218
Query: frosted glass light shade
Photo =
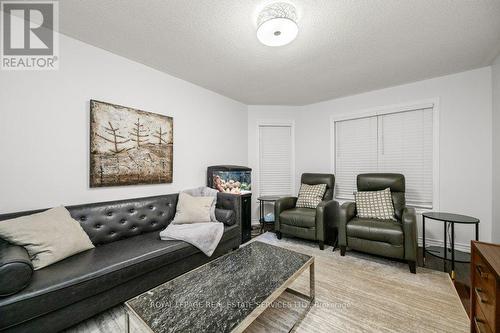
277 32
277 24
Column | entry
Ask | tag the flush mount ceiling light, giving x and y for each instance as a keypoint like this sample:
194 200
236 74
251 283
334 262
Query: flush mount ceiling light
277 24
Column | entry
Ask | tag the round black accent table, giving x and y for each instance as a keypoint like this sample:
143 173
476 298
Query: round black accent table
440 252
262 200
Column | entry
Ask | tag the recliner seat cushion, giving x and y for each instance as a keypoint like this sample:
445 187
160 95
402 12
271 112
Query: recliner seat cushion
388 231
299 217
92 272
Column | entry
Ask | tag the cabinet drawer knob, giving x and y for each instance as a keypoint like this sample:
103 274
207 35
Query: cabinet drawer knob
482 274
479 291
478 327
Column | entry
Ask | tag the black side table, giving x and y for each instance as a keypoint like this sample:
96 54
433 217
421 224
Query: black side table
262 200
440 252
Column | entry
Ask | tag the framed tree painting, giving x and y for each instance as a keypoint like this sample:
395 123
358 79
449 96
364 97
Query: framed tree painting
129 146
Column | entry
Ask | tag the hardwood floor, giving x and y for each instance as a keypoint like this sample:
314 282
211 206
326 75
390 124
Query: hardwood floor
462 279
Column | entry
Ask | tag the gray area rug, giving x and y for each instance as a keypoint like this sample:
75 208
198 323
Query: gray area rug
355 293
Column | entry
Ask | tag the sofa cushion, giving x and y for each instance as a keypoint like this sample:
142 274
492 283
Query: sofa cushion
388 231
204 191
49 236
299 217
192 209
94 271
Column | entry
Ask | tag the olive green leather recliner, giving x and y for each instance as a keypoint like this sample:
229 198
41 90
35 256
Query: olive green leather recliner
388 238
316 224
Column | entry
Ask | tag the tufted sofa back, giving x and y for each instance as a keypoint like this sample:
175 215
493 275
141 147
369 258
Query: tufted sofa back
106 222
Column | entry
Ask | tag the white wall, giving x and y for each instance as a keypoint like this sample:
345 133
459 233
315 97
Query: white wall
496 149
465 177
44 127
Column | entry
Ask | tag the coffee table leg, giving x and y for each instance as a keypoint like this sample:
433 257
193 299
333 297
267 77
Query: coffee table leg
127 322
312 293
312 287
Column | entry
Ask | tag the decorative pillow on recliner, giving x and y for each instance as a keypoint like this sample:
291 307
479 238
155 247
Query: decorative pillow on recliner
375 204
310 195
49 236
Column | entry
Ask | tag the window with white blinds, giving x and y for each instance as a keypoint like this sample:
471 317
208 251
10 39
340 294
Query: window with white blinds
275 160
399 142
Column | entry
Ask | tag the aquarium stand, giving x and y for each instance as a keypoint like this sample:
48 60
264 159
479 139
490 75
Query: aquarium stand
236 180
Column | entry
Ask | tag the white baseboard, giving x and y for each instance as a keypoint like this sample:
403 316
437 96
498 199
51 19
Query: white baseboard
428 241
439 242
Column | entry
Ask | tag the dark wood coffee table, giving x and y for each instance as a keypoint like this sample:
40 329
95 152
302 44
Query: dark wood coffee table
224 295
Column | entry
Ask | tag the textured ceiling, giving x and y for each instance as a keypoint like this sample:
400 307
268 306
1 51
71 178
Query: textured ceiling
343 47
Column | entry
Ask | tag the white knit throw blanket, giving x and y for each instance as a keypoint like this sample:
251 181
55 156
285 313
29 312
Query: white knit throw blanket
204 236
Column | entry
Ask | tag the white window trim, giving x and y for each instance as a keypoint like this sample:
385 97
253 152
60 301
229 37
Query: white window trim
395 108
275 122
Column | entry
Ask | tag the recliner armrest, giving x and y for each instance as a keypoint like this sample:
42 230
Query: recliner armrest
16 269
409 222
281 205
347 211
325 210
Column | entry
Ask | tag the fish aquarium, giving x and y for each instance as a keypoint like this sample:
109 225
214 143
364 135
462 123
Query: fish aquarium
230 178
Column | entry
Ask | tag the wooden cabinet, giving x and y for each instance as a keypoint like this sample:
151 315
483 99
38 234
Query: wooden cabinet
485 288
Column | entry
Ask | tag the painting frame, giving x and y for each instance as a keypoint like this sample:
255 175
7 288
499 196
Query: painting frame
124 152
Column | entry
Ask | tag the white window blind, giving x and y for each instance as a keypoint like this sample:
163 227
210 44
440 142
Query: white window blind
356 152
275 160
397 143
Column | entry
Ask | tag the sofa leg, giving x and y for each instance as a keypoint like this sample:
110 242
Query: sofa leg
321 245
236 248
413 266
342 250
278 234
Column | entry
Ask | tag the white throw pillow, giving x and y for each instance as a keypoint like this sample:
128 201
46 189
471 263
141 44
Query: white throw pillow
375 204
204 191
192 209
49 236
310 195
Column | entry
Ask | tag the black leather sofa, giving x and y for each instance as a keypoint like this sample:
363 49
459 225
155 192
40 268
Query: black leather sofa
129 259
